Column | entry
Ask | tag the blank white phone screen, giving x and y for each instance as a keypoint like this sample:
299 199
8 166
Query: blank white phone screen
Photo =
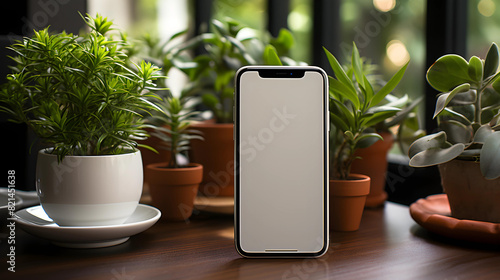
282 163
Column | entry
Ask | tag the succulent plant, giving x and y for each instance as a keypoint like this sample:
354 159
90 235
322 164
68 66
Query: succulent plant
354 109
468 113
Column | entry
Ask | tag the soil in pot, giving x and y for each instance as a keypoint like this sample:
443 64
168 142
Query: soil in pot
173 190
216 154
373 163
470 195
347 202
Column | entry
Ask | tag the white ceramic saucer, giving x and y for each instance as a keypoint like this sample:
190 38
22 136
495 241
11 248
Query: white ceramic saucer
34 220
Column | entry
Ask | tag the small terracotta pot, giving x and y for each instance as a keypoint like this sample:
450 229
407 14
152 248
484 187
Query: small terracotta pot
347 202
149 156
373 163
173 190
471 196
216 154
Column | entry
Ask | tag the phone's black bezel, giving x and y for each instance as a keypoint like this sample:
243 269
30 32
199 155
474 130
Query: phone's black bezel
278 72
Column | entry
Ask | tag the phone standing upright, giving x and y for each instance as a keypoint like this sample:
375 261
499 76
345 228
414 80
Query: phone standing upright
281 161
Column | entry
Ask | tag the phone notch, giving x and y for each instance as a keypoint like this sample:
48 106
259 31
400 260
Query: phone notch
282 73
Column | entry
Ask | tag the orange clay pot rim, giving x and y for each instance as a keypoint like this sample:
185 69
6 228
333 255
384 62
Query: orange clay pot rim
161 166
354 177
213 125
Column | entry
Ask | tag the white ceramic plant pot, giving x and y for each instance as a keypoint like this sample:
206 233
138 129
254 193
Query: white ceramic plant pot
89 190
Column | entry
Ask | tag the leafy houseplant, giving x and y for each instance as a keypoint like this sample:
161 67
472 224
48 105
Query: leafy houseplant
173 186
80 95
400 128
228 46
468 110
353 111
469 118
173 128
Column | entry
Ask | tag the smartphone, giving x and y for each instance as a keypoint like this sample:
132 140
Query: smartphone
281 161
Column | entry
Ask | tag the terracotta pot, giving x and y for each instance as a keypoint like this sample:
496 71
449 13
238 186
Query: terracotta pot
373 163
471 196
173 190
216 154
347 202
149 156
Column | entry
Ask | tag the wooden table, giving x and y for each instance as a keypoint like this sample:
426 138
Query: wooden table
388 245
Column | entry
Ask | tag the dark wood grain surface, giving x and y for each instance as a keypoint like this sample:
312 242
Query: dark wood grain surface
388 245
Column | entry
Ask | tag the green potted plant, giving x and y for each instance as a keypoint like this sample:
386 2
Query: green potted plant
402 127
353 111
466 149
229 46
80 95
173 185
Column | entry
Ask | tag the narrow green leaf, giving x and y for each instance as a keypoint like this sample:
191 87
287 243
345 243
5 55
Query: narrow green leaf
389 86
357 66
339 71
367 139
271 56
344 91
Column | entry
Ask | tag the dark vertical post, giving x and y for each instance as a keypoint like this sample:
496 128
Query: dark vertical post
277 15
446 33
326 31
202 18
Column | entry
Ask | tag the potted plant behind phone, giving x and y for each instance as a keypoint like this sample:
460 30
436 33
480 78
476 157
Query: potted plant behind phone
353 111
173 184
80 96
467 149
229 46
403 127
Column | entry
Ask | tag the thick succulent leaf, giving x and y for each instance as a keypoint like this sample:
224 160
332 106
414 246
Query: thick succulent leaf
435 156
482 133
463 98
366 140
491 62
448 72
496 85
435 140
475 69
490 156
389 86
463 114
457 132
445 98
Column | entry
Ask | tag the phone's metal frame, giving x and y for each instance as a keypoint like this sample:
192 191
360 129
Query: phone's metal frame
326 129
